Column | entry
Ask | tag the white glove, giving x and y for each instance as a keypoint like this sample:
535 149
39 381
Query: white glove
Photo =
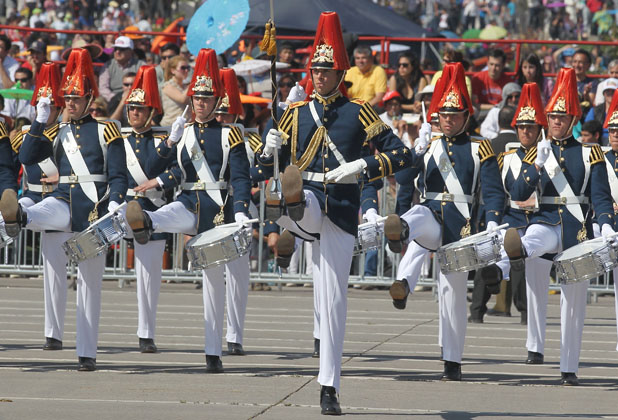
112 206
297 93
543 149
240 217
371 216
607 232
347 169
42 110
178 127
273 142
491 227
421 143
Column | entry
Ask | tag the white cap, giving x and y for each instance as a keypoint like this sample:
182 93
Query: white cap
123 42
428 89
610 83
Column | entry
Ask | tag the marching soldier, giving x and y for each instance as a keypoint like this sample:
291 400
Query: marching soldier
210 158
40 180
571 177
325 141
148 178
450 171
92 179
611 162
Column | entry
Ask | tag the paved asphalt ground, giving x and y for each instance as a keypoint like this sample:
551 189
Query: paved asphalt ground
390 362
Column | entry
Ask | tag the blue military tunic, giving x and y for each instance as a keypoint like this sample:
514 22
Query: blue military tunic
351 125
208 136
514 216
459 150
36 147
144 147
9 166
569 154
34 173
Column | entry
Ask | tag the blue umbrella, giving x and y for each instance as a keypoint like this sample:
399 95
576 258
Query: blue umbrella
217 24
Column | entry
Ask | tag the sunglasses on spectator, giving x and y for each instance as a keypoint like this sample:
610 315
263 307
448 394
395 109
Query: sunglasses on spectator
405 65
93 110
513 96
184 68
165 57
25 79
129 84
288 84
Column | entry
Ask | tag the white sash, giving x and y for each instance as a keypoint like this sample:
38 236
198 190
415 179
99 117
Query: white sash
199 160
48 167
613 180
250 154
77 160
513 162
562 185
136 171
447 171
331 145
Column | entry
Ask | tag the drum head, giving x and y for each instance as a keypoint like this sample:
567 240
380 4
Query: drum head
581 249
213 235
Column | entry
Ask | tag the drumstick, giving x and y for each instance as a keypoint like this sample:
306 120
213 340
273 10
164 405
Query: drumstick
246 222
185 111
378 220
424 115
502 226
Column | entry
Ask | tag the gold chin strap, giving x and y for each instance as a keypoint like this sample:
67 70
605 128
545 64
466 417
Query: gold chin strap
212 113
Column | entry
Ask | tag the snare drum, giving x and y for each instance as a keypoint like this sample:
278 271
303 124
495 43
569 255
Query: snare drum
470 253
369 237
95 240
218 246
586 260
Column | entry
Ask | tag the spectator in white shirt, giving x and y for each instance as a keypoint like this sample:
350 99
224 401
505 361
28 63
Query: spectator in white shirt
16 108
9 64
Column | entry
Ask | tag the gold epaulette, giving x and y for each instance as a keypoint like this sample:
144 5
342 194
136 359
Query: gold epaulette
287 119
4 132
372 123
235 137
530 156
485 150
17 141
255 141
596 154
111 132
52 132
297 104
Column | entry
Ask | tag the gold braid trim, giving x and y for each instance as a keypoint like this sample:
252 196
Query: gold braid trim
380 167
486 151
316 140
235 137
390 165
17 140
111 132
500 161
52 132
596 154
530 156
255 142
376 128
3 130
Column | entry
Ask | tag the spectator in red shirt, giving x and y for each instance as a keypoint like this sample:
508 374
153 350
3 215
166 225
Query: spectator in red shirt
487 84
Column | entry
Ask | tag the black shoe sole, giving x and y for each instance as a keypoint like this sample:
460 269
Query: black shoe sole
512 244
392 231
137 221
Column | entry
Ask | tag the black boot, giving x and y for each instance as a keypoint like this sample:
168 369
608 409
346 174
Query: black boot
534 358
399 291
515 250
328 401
235 349
285 248
316 348
491 277
569 379
452 371
213 364
52 344
147 345
396 231
140 222
12 213
523 320
292 191
86 364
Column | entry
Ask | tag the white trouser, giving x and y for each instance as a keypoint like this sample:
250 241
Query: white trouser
315 262
537 290
296 264
173 218
54 214
237 288
54 282
148 262
541 239
336 247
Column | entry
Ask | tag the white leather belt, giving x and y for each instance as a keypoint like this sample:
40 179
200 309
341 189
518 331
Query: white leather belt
200 185
42 188
564 200
452 198
74 179
514 205
319 177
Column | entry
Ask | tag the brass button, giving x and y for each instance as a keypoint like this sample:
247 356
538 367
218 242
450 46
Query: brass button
202 141
136 150
525 170
562 149
325 107
326 169
443 203
559 210
72 185
259 171
136 141
201 130
450 153
561 159
170 177
325 119
563 169
77 127
77 136
119 195
527 178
